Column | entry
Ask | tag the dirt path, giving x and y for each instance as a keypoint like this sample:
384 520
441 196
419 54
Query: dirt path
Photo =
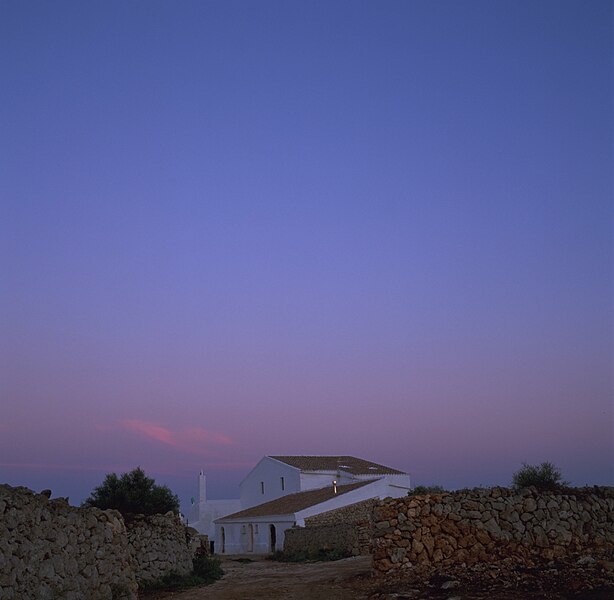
269 580
348 579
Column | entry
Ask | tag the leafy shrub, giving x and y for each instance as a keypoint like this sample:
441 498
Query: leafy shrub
208 568
171 582
544 477
422 490
133 493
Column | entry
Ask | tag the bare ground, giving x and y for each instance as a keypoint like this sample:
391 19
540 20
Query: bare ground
262 579
350 579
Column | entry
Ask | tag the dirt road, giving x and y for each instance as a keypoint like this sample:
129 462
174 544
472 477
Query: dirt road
268 580
349 579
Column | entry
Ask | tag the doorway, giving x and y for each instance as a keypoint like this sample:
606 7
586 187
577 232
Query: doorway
250 538
223 541
273 537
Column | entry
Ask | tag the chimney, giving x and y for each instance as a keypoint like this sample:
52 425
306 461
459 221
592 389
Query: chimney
202 487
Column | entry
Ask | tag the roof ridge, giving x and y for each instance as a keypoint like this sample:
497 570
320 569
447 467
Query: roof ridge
332 462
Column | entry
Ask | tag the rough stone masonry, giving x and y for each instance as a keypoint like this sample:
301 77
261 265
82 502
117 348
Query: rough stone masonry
520 527
158 545
50 550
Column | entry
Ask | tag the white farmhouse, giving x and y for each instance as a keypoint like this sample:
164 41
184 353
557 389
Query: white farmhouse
282 491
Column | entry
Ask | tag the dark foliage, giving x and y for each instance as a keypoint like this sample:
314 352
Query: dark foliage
133 493
208 568
421 490
544 477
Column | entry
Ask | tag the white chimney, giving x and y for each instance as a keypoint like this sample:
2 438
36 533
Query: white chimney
202 487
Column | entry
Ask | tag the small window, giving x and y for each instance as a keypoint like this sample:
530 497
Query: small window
262 487
242 529
283 483
256 528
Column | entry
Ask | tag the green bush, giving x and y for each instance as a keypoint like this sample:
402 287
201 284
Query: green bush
133 493
544 477
208 568
174 581
421 490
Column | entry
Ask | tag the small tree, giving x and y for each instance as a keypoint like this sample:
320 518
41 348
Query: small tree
133 493
544 477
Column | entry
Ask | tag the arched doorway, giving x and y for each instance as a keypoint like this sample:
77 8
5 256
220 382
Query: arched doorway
223 541
250 538
273 537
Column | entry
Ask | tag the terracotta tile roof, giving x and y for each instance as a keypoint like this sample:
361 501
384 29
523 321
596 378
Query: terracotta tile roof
292 503
351 464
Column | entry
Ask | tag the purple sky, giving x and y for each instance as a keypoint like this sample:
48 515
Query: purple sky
231 229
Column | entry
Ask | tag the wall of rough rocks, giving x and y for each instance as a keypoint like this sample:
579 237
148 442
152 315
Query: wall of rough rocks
311 540
159 545
347 529
360 512
498 525
50 550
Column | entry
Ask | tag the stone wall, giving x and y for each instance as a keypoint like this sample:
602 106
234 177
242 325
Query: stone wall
347 529
360 512
311 540
493 526
159 545
50 550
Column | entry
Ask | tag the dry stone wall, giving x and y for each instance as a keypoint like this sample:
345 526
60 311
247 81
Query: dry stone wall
498 525
50 550
313 539
347 529
360 512
159 545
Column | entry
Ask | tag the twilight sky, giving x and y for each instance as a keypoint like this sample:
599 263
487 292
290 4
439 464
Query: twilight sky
231 229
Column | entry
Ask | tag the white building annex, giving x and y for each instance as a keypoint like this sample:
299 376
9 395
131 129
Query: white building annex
282 491
203 512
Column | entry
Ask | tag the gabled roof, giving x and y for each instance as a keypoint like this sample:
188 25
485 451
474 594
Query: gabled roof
350 464
292 503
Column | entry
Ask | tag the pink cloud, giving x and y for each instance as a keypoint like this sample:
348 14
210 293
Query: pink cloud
189 439
198 434
151 430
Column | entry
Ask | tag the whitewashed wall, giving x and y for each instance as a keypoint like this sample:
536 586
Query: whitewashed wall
205 513
314 481
237 535
269 471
